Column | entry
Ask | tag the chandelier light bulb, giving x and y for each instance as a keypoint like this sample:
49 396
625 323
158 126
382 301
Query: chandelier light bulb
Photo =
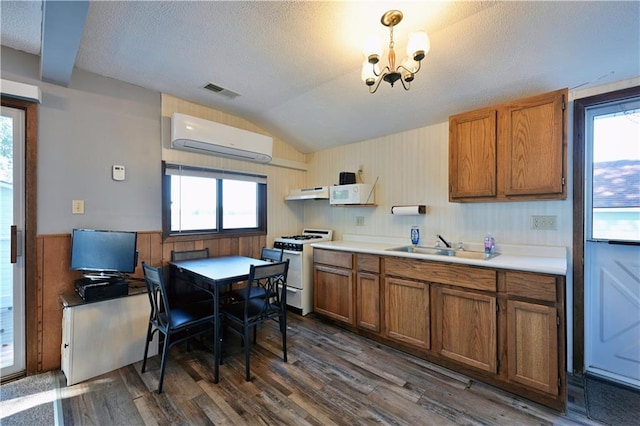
368 73
418 45
373 46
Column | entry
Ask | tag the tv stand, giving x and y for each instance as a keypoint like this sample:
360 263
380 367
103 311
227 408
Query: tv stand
103 336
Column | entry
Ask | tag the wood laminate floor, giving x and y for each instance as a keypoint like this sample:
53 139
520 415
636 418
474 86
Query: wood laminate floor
333 377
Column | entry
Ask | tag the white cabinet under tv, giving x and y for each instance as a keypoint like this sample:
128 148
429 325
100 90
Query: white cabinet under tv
103 336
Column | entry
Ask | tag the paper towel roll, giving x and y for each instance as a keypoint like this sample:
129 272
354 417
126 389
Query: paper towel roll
409 210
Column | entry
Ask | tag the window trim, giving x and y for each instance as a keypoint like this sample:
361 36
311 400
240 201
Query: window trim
219 174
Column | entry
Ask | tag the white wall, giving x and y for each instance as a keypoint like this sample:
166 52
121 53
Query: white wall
83 130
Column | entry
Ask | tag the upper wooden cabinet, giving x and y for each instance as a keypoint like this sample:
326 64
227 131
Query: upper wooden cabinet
510 152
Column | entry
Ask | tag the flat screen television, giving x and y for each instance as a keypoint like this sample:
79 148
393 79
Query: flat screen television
102 253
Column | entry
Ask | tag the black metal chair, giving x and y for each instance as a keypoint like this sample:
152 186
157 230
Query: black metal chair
268 254
253 311
271 254
177 324
180 291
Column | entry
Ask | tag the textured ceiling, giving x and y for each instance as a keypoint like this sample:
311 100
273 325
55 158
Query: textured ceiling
296 65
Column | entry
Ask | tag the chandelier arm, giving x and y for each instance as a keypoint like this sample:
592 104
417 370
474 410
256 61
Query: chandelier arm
405 85
374 88
384 71
408 70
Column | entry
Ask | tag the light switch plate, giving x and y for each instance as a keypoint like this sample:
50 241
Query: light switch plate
77 207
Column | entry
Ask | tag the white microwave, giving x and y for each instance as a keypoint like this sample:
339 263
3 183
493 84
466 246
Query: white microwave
357 193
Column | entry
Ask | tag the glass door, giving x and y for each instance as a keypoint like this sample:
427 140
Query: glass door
12 220
612 246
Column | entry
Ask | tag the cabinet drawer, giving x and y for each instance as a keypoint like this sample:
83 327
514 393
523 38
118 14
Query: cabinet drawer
532 285
369 263
443 273
339 259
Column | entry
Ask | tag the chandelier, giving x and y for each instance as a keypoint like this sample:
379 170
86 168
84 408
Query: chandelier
417 47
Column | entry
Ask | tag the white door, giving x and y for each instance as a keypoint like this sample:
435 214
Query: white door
612 247
12 220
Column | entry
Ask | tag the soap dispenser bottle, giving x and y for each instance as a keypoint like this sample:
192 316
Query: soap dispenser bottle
489 244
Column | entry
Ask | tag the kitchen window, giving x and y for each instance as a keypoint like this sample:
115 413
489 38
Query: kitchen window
199 201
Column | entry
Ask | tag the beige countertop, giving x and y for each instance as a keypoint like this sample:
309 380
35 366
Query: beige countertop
531 258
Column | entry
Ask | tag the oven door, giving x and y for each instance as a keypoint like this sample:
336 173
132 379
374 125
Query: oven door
294 276
294 297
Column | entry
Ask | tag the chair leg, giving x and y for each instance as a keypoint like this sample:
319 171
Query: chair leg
255 334
163 362
246 353
146 347
283 330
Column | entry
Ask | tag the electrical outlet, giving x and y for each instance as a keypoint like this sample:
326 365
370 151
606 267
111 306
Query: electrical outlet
359 220
544 223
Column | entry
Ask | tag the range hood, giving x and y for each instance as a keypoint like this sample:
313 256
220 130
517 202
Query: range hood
315 193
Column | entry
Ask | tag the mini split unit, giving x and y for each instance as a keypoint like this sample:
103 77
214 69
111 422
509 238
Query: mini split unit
211 138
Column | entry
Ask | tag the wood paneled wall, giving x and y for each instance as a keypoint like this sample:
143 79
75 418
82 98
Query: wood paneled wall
55 278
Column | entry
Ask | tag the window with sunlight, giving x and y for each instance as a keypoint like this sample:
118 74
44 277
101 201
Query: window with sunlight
616 174
208 201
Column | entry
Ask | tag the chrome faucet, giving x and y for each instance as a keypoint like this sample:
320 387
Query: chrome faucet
446 243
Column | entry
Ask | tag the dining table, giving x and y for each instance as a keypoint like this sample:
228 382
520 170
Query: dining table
212 274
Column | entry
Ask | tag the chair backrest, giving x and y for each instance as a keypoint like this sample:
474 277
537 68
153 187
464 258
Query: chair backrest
189 254
271 254
272 279
160 313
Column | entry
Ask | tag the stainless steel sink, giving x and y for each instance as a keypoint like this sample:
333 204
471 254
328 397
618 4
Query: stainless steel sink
464 254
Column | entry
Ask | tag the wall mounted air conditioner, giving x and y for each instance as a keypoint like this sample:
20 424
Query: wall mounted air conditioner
208 137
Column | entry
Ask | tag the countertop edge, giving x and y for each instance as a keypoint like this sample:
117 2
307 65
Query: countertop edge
537 264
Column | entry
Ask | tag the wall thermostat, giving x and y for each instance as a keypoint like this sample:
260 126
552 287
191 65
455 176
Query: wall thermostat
117 172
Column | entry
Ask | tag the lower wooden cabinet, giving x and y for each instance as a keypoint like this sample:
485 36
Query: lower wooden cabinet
334 287
448 313
368 301
407 312
466 328
368 293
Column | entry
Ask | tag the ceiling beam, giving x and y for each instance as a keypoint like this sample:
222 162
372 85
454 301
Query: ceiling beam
62 27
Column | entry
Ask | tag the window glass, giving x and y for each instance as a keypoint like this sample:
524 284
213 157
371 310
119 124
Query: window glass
240 201
616 173
207 201
193 203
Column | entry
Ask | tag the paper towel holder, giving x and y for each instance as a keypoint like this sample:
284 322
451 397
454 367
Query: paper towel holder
414 209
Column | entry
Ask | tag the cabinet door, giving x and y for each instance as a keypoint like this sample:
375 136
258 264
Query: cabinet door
65 351
334 293
532 345
368 301
407 312
533 144
472 155
466 328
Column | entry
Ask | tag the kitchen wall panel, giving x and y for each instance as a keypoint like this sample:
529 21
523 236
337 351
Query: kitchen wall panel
412 168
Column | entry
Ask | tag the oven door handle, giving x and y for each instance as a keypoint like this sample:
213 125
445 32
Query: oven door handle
290 289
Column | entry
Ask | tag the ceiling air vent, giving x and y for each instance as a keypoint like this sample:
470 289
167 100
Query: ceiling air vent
221 91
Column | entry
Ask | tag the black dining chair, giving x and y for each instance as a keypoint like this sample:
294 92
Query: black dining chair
268 254
180 291
178 324
250 312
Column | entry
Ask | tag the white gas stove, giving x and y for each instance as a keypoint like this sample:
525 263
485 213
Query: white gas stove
296 242
297 248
